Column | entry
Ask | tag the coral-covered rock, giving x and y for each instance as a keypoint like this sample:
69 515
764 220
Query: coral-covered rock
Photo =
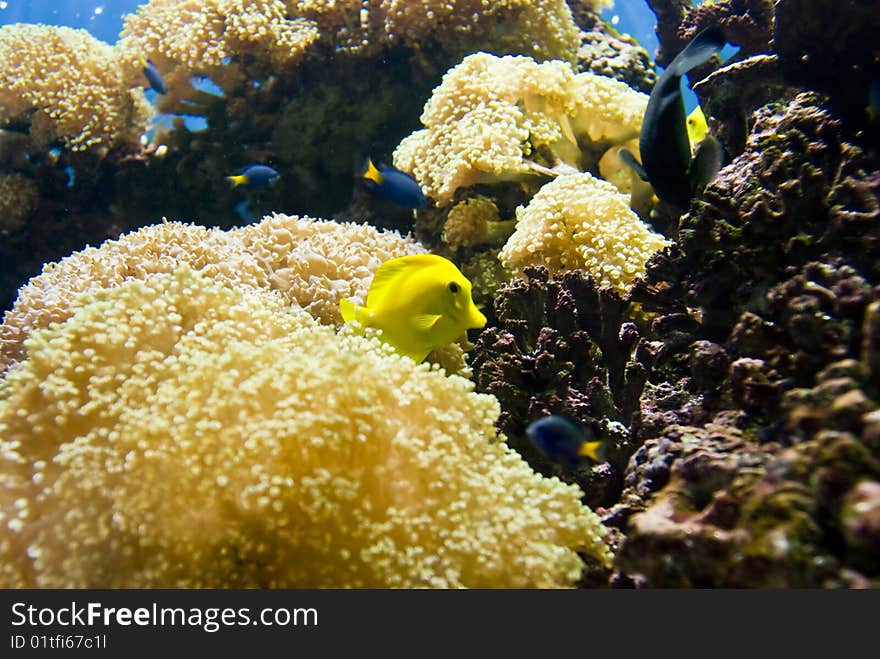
734 513
798 191
746 23
605 51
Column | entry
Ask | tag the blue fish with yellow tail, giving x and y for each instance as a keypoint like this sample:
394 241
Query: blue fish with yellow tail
151 73
419 302
564 440
394 185
254 177
667 163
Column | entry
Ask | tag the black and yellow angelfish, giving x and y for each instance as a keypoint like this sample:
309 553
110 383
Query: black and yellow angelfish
667 160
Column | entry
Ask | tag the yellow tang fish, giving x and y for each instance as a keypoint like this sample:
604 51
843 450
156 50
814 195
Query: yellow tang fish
697 127
420 302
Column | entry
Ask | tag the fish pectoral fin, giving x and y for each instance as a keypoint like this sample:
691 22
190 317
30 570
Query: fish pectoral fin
706 162
629 159
424 321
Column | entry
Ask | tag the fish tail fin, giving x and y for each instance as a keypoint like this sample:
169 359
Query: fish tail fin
593 450
699 50
348 310
707 161
237 180
370 172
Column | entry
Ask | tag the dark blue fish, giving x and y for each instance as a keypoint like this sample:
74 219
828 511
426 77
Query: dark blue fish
665 149
394 185
254 177
564 440
157 83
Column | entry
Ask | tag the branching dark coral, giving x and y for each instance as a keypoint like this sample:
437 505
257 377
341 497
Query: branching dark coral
564 346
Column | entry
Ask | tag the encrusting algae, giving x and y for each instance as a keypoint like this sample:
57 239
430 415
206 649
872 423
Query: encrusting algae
173 432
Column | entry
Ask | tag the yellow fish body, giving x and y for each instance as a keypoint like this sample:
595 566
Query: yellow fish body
419 302
697 127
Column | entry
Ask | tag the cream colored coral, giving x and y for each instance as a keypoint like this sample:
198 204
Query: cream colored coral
475 221
199 36
177 433
316 263
491 114
19 196
542 28
486 274
579 221
313 263
74 86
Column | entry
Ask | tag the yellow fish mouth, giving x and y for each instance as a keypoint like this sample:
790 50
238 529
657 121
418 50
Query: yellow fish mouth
477 319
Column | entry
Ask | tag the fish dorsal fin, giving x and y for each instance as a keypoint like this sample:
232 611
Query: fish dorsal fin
699 50
424 321
629 159
706 162
389 275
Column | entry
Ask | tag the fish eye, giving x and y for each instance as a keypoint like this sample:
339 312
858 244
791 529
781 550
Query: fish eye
453 287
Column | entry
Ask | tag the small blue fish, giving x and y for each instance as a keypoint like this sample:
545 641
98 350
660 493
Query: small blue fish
394 185
564 440
254 177
157 83
71 176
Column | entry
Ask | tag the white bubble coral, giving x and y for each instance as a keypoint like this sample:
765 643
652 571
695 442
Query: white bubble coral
70 86
312 263
174 432
475 221
579 221
491 114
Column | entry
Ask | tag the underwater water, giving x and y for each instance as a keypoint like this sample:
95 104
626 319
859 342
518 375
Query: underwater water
527 294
